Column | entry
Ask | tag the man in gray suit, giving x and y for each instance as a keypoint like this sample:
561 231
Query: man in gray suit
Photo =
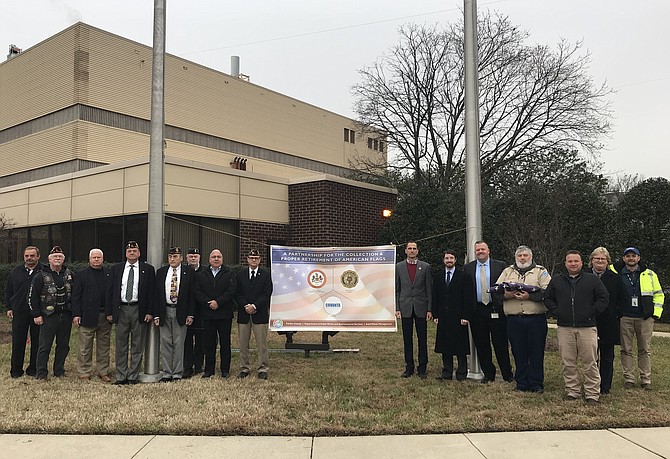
489 324
413 294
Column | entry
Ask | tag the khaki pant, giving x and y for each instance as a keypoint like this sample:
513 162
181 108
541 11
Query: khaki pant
580 343
101 334
640 330
261 335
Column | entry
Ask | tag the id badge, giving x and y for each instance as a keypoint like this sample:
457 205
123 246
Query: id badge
633 301
495 315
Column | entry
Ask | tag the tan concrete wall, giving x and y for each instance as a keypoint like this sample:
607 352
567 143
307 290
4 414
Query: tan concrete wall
87 65
38 81
202 190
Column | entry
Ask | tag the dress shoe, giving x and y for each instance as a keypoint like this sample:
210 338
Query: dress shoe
197 371
242 375
406 374
646 386
508 378
133 382
628 385
225 374
121 382
486 381
84 378
423 375
166 379
105 378
444 377
187 374
31 372
207 375
262 375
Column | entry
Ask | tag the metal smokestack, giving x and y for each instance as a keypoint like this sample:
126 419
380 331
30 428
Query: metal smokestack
235 66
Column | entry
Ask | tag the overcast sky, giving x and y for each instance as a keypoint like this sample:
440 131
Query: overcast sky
312 49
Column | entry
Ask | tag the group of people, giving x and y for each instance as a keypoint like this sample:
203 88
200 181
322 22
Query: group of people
191 305
595 308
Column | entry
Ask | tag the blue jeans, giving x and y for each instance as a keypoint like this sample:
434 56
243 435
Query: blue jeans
527 335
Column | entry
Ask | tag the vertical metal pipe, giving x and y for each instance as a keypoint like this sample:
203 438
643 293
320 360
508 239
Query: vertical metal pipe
235 66
473 199
155 221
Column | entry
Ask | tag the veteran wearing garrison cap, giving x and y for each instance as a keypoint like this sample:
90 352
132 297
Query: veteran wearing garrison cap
49 298
253 289
194 354
133 285
174 311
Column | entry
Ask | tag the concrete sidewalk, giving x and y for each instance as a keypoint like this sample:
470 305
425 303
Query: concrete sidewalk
592 444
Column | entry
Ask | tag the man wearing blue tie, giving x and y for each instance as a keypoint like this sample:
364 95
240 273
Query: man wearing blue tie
489 324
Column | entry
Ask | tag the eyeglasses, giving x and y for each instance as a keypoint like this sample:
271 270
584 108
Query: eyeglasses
599 259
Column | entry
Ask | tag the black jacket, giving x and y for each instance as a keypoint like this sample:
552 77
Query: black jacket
185 297
16 289
258 294
578 305
608 320
145 290
87 300
219 288
451 304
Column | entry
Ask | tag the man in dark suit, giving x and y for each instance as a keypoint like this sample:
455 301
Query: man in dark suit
489 324
91 293
173 312
453 306
214 298
194 356
133 286
413 294
253 288
16 293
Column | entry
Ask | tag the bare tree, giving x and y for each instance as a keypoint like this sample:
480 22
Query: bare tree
532 99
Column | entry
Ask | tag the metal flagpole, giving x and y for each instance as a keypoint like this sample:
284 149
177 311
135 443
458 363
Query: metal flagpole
473 199
155 219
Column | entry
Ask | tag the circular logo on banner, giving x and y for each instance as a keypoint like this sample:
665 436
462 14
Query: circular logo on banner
332 305
349 278
316 278
277 323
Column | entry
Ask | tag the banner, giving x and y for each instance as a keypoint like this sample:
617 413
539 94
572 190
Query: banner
333 289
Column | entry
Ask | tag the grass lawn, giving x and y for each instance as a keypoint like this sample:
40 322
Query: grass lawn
325 394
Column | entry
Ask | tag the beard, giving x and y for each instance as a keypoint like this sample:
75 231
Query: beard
524 265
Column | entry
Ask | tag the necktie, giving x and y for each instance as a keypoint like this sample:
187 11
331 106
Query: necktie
448 277
484 284
253 277
173 286
130 284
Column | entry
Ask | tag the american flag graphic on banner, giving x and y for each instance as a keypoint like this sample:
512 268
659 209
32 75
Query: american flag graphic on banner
333 289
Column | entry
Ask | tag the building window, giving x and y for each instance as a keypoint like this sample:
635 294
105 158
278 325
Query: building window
349 135
375 144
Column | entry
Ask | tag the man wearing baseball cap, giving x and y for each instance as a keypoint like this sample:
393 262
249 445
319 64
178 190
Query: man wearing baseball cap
644 302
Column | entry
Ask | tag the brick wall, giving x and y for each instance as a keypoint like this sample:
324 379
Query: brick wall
254 235
332 214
